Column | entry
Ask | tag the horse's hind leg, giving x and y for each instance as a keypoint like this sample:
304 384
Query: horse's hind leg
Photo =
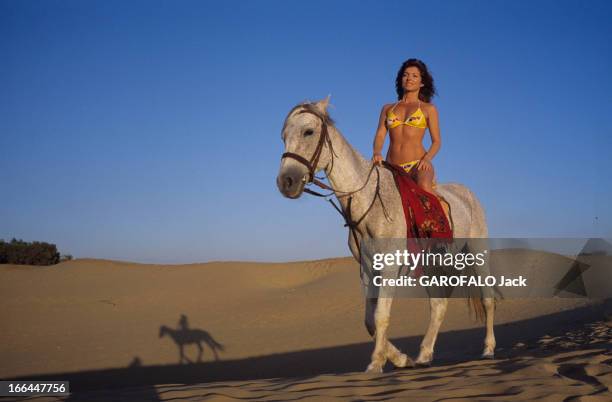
488 298
437 310
489 343
392 353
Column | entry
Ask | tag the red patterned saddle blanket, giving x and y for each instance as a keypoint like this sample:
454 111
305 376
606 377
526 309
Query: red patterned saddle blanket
425 217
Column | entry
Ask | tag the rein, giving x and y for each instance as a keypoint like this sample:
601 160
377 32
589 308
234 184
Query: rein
311 164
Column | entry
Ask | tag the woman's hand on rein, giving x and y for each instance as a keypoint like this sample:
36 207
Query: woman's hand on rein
377 159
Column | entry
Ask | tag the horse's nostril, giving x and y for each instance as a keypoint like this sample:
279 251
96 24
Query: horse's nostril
288 182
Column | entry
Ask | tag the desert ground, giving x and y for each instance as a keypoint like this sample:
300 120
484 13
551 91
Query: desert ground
279 332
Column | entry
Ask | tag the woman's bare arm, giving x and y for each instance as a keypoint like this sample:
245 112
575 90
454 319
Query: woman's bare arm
381 133
436 142
434 131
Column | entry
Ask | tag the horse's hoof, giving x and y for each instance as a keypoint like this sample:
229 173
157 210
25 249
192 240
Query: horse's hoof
488 356
406 361
402 361
424 359
374 369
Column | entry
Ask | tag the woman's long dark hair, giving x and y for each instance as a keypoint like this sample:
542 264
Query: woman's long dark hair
428 90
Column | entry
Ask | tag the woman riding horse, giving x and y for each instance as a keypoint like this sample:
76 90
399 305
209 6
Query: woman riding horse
406 122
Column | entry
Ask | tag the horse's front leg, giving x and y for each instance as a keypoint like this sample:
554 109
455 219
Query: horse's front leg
377 316
394 355
182 354
437 309
383 349
382 316
200 351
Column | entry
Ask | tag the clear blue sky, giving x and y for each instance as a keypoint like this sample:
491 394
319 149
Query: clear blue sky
150 131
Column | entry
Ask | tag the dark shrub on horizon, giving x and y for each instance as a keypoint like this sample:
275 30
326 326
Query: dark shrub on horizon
26 253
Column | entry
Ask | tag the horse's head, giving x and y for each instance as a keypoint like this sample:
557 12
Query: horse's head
307 146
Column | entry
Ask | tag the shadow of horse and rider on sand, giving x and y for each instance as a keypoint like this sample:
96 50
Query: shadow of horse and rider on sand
183 336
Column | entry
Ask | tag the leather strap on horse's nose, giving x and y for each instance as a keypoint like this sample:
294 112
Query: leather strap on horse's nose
302 160
311 164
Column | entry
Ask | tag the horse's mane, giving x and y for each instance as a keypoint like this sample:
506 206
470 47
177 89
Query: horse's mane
312 108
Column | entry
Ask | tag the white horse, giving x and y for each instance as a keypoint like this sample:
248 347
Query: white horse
312 144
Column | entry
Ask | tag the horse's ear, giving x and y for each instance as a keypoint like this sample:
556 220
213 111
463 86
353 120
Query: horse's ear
323 103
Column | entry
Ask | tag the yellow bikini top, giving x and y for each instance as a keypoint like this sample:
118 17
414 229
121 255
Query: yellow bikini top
416 119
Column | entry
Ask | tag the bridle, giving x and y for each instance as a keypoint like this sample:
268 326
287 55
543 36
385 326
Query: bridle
311 165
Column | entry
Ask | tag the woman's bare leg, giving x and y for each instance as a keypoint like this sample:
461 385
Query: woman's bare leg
424 179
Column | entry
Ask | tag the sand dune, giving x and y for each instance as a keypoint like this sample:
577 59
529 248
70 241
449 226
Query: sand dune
291 331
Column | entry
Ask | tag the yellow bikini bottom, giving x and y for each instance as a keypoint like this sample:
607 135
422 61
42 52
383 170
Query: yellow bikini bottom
407 166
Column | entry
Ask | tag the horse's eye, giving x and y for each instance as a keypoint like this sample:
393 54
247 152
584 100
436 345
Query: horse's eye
308 132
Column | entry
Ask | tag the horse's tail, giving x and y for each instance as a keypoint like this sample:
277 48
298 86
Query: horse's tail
211 342
476 296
